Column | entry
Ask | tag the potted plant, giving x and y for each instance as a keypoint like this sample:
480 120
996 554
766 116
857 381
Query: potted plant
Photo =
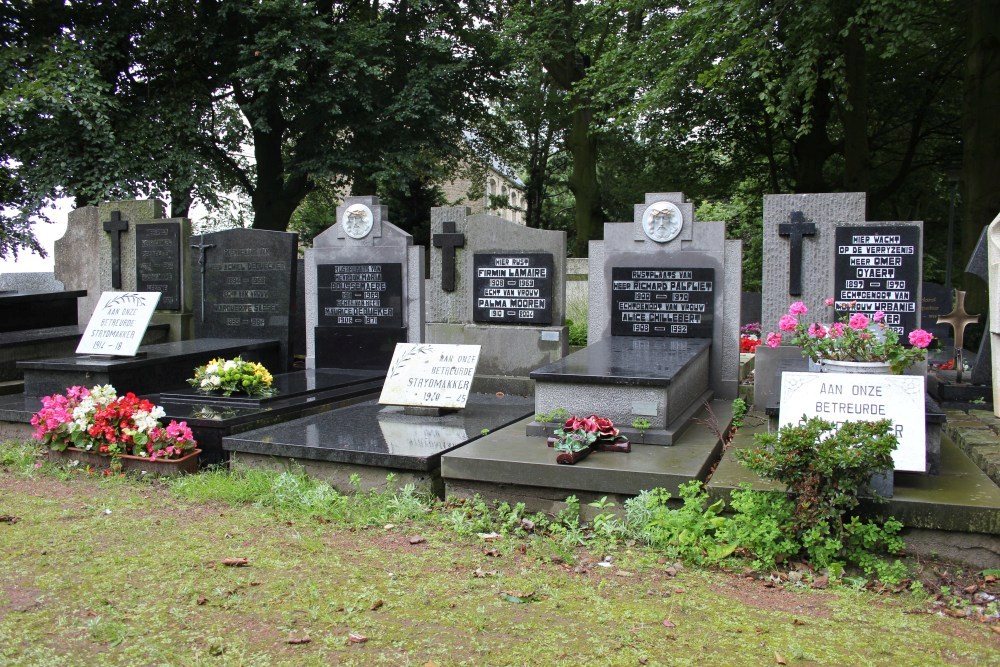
855 343
579 436
104 430
229 376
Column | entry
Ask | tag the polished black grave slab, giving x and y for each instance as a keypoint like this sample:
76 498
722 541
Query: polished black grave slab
301 393
20 311
626 360
370 434
163 366
287 386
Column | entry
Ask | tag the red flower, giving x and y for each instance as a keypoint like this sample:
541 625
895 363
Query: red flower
605 427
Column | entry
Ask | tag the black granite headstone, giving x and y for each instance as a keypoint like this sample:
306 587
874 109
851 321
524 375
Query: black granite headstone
512 288
878 268
360 295
936 301
662 302
158 262
248 285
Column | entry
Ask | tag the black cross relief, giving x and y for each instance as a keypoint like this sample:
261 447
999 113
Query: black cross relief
796 229
115 226
448 240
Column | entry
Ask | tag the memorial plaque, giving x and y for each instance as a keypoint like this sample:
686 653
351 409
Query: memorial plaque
513 288
843 397
118 324
245 284
662 302
360 295
878 268
430 375
158 262
935 302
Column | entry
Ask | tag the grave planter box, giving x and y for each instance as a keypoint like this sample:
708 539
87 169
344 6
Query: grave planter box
137 464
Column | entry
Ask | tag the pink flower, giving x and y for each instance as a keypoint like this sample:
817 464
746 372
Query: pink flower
828 302
920 338
817 330
798 308
878 316
858 322
836 330
787 323
773 339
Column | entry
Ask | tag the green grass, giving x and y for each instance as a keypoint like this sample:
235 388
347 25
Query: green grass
116 571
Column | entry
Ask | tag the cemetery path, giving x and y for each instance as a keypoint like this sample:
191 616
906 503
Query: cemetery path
118 572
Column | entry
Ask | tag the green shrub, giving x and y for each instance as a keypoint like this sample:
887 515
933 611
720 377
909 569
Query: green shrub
688 533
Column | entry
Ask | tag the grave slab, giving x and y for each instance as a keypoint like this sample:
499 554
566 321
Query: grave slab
961 499
378 437
663 380
164 366
507 463
300 394
24 310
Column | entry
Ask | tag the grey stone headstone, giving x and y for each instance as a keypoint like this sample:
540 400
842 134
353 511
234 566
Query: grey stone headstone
979 261
827 211
364 289
510 350
698 248
248 286
74 258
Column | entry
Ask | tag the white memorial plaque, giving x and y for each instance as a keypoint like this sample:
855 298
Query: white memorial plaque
841 397
431 376
118 324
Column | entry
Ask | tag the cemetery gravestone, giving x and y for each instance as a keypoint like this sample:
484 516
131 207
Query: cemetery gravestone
935 302
244 284
501 286
686 286
118 323
877 268
364 289
135 251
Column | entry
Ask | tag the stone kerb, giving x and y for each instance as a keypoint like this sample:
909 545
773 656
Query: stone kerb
384 243
509 351
993 258
699 244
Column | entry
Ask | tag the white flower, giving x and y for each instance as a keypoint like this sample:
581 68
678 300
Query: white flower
229 365
216 380
211 369
207 382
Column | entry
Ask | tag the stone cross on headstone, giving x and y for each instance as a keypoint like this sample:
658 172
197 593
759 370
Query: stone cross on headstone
958 318
201 247
448 241
115 226
796 229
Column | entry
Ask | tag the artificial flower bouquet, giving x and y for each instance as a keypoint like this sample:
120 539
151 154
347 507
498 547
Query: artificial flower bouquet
100 421
581 435
233 375
856 337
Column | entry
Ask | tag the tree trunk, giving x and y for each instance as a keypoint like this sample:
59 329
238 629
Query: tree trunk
814 147
980 138
583 180
276 194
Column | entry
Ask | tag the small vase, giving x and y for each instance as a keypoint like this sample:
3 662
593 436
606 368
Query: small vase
854 367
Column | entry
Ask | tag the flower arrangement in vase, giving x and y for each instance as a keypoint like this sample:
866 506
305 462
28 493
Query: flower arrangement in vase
229 376
100 422
581 435
854 338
